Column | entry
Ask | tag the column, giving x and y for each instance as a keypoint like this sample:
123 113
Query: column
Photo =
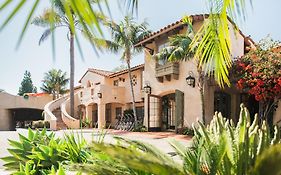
101 116
146 112
89 113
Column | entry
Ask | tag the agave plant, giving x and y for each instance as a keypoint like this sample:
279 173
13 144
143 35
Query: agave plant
226 148
219 148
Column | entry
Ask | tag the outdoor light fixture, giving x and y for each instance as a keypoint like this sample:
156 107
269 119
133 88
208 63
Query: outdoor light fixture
147 89
100 95
190 79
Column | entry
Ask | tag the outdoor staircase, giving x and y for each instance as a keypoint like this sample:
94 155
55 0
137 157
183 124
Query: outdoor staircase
60 124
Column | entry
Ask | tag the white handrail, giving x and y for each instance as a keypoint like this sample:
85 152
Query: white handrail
48 111
69 121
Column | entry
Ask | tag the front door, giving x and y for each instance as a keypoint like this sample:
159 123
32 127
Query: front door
168 112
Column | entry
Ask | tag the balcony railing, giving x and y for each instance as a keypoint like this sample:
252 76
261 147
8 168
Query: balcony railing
168 71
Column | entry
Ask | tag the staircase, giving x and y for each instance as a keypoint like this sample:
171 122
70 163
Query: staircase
60 124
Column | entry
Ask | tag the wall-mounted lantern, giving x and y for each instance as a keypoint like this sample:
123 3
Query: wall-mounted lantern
190 80
99 95
147 89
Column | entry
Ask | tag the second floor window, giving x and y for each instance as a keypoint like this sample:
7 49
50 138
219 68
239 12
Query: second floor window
115 83
162 61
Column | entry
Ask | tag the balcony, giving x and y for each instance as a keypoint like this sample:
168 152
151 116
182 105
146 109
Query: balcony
167 71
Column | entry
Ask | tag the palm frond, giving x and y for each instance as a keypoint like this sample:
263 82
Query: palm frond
213 50
133 157
45 35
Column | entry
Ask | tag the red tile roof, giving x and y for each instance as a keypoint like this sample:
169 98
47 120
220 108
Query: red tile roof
109 73
100 72
178 24
141 66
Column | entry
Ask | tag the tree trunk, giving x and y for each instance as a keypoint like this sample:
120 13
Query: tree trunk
201 88
54 95
72 75
132 91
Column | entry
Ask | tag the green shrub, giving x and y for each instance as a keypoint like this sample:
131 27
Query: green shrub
140 128
40 152
188 131
40 124
86 123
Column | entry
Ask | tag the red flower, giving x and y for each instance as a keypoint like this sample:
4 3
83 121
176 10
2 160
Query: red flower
242 65
255 74
260 82
240 83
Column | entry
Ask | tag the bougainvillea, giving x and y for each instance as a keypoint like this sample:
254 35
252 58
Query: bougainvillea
259 73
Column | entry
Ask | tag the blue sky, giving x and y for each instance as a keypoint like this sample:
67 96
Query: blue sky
261 21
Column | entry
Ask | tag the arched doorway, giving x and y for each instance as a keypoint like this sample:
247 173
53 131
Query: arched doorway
168 111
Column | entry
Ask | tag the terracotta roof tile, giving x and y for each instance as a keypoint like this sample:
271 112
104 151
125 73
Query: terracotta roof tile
126 70
109 73
100 72
178 24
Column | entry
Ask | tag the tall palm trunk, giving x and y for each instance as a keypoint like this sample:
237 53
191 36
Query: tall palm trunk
201 89
72 74
132 91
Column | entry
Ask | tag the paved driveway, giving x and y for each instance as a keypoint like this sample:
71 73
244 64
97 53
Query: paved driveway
157 139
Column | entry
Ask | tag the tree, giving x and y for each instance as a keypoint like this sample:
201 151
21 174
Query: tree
60 16
258 73
124 36
54 82
213 39
27 85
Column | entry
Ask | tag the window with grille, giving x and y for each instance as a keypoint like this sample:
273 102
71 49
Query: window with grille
118 112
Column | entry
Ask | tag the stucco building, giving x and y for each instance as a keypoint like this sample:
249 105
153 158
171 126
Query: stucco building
167 94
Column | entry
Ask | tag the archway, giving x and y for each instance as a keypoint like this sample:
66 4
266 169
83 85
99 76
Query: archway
23 117
168 112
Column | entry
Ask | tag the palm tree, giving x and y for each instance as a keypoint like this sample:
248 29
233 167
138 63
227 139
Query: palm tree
59 16
54 82
215 30
124 36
